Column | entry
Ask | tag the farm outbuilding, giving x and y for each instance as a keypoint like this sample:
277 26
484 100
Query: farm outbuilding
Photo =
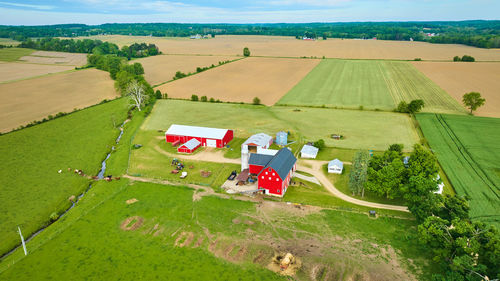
281 138
309 151
209 137
274 173
335 166
258 143
190 146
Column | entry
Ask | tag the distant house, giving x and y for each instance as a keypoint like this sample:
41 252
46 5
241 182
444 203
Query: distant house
281 138
190 146
335 166
274 173
309 151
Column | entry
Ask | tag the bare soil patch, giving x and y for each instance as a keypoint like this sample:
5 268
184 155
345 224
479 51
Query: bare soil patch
11 71
460 78
186 238
266 78
131 201
62 58
132 223
159 69
35 99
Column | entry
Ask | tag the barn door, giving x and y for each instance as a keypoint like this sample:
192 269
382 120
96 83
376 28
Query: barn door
211 143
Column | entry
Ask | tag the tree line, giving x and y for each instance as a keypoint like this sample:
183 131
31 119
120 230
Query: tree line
483 34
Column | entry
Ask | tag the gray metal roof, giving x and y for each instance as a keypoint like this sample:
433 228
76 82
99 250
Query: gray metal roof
336 162
191 144
309 149
282 162
193 131
260 139
259 159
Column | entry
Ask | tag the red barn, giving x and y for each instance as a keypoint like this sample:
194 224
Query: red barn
189 146
210 137
274 173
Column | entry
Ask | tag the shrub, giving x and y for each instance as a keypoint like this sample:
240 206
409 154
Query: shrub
158 94
402 107
320 144
361 107
417 59
54 216
204 98
456 58
194 98
468 58
212 100
256 101
246 52
165 96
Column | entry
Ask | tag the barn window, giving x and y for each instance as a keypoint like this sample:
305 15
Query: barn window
273 174
262 177
266 173
277 179
269 178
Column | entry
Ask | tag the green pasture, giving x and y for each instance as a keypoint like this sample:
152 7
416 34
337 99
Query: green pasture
32 189
91 245
468 149
13 54
368 83
362 129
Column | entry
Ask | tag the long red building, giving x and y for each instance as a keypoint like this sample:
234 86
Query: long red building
210 137
274 173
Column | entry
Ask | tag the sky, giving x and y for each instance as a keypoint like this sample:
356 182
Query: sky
24 12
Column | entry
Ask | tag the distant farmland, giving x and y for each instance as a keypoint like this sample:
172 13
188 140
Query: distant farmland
10 71
371 84
241 81
34 99
59 58
159 69
460 78
468 149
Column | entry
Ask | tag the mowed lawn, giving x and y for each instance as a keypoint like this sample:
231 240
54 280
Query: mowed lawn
468 149
362 129
31 187
371 84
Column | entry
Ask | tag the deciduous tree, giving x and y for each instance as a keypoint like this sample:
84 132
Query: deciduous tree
136 92
473 100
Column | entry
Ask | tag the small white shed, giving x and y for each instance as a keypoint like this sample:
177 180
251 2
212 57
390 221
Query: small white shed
309 151
335 166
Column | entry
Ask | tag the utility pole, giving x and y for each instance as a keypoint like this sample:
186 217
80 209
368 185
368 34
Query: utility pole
22 240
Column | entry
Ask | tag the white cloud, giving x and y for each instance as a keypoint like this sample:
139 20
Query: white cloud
38 7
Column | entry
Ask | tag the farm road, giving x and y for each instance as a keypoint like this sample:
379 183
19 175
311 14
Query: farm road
315 170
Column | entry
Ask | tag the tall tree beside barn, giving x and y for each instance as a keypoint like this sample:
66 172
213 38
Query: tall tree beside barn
358 175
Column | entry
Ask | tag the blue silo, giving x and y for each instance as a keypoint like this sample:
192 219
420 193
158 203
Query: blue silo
281 138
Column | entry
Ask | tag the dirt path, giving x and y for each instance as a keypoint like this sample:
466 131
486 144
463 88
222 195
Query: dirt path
208 155
307 178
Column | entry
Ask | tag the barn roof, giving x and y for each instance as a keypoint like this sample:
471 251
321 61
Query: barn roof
309 149
336 162
193 131
259 159
260 139
282 162
191 144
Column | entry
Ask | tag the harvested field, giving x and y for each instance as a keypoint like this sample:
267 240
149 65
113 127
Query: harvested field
45 57
460 78
371 84
241 81
159 69
17 71
34 99
291 47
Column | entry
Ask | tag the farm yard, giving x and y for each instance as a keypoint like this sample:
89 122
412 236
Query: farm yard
34 99
266 78
370 84
11 71
32 189
362 129
460 78
277 46
468 150
160 69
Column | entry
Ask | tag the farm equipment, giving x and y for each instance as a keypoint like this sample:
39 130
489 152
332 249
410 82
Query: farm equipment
183 175
337 136
180 166
232 175
175 162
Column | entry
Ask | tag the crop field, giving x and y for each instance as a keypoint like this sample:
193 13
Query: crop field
46 57
241 81
371 84
362 129
460 78
149 231
277 46
160 69
8 42
10 71
34 99
468 150
13 54
32 188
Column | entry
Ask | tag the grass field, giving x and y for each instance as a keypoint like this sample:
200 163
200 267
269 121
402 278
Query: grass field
32 188
11 71
34 99
468 150
58 58
371 84
228 239
290 47
13 54
9 42
460 78
241 81
362 129
160 69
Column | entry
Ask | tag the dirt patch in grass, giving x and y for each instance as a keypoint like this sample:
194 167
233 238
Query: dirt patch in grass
294 209
186 238
132 223
131 201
